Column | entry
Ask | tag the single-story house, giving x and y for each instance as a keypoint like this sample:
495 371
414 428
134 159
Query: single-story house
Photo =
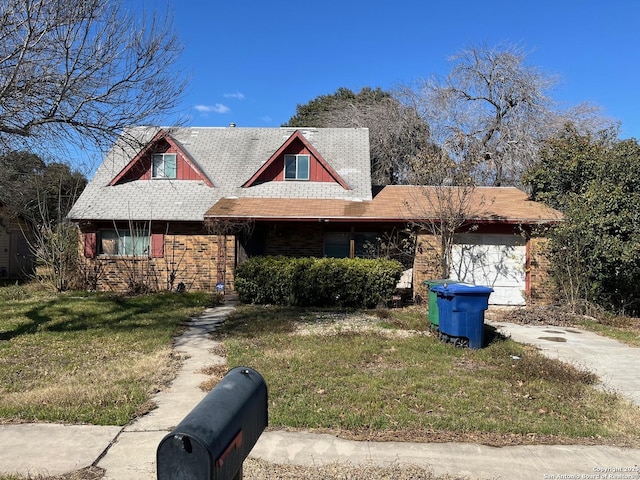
16 258
186 205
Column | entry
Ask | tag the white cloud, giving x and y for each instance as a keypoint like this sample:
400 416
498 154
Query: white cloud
217 108
237 95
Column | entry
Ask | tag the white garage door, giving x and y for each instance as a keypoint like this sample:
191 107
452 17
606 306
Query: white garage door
496 261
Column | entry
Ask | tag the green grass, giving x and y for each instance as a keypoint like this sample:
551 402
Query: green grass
412 385
85 358
626 330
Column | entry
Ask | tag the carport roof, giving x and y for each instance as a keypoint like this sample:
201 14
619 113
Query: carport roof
395 203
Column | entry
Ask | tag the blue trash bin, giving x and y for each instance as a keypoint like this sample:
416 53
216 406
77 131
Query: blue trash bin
461 309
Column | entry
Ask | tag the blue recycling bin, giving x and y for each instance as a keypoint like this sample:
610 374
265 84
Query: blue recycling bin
461 308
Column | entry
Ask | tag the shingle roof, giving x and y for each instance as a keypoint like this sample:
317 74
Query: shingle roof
228 157
397 203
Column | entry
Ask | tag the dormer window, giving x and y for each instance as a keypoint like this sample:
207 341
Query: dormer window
296 167
164 165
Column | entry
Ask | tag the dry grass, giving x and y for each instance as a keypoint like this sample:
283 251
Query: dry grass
375 377
89 473
255 469
83 358
215 372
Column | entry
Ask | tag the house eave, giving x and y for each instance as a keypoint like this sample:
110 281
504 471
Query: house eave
368 219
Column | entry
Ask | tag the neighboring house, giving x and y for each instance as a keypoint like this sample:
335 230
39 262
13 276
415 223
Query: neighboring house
16 259
189 204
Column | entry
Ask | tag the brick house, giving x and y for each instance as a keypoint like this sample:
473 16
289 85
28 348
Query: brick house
186 205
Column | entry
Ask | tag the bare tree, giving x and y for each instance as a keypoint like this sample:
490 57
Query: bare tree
492 112
396 131
443 206
72 71
397 134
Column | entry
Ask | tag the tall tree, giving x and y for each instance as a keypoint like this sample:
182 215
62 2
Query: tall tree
492 112
82 70
567 164
396 131
38 192
41 195
595 252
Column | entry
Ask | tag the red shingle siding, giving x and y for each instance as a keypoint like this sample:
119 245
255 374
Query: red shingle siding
275 171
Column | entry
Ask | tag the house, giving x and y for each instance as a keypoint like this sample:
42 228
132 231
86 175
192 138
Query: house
186 205
16 258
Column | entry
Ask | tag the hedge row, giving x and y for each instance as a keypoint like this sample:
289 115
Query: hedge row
322 282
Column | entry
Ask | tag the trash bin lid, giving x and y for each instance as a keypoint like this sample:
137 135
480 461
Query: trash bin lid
462 289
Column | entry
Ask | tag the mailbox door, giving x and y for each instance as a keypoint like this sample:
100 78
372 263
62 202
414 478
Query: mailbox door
181 457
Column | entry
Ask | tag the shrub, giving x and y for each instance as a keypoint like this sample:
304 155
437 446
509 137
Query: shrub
343 282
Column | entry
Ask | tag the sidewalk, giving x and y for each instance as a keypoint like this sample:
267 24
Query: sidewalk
615 363
129 453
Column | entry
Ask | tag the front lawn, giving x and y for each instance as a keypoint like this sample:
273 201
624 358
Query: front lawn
369 377
90 358
86 358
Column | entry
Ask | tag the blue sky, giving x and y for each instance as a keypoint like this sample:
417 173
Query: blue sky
252 61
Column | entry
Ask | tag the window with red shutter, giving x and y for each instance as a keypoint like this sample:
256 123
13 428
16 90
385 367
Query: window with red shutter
90 245
157 245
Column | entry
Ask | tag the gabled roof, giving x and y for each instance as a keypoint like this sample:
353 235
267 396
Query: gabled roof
228 158
395 203
149 148
297 136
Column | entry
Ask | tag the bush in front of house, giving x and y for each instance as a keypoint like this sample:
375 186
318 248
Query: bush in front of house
320 282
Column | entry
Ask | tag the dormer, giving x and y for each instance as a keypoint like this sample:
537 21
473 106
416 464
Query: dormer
296 161
162 159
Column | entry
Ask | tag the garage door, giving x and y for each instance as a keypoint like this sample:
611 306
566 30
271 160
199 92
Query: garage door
497 261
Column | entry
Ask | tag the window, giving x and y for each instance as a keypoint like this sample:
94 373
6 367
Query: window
164 165
296 167
338 245
367 245
124 242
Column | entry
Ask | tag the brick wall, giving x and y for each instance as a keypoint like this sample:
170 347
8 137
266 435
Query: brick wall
198 261
541 286
426 265
293 241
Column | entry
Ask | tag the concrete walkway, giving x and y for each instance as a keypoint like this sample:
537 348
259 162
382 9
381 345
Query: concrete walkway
615 363
129 453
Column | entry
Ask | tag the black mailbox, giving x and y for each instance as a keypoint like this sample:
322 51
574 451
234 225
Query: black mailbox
213 440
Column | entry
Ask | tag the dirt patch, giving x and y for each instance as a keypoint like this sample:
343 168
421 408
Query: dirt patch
216 373
540 315
335 323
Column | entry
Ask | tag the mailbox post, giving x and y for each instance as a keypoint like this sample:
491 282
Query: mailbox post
213 440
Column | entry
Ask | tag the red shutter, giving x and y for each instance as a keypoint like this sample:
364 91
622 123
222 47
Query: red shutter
157 245
90 245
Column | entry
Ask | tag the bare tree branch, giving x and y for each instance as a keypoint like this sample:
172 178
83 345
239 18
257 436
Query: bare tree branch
87 69
492 112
